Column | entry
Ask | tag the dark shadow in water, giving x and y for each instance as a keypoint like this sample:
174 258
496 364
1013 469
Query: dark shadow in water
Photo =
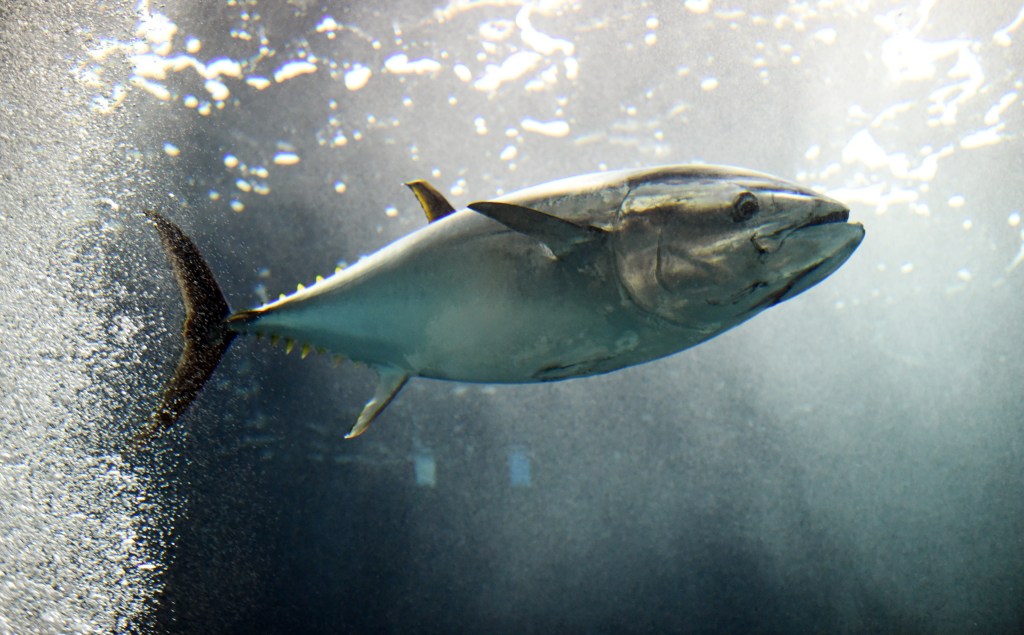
316 535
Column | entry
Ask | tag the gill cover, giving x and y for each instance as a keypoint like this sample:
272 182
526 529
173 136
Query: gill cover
666 235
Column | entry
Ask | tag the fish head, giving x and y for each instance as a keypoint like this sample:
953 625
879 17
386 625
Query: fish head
707 248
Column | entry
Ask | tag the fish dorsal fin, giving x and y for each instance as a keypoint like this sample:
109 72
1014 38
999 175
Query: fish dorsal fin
560 235
389 383
434 204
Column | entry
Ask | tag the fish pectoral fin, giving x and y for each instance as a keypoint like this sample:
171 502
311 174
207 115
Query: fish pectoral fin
389 383
434 204
560 235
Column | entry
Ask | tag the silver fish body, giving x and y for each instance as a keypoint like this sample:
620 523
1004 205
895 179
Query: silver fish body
467 299
572 278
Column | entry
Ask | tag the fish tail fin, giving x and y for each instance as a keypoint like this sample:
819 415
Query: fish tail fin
205 331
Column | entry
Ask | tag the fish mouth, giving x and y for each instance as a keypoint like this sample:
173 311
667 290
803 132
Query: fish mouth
842 241
840 215
829 213
822 242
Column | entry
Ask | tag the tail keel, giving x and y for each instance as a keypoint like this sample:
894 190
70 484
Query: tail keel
205 331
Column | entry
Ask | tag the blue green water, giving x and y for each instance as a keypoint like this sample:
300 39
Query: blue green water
849 461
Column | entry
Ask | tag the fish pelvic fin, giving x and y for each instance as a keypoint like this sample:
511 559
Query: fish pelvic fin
389 383
205 332
434 204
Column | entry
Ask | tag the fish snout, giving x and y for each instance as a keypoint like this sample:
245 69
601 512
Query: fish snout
823 211
828 210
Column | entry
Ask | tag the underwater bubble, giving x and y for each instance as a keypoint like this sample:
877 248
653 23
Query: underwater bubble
826 35
327 24
462 72
357 77
292 69
697 6
512 68
572 68
159 91
987 137
286 158
156 28
399 64
218 91
996 111
222 66
556 128
496 30
257 82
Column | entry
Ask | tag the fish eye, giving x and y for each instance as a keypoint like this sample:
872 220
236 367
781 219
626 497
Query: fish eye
744 207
